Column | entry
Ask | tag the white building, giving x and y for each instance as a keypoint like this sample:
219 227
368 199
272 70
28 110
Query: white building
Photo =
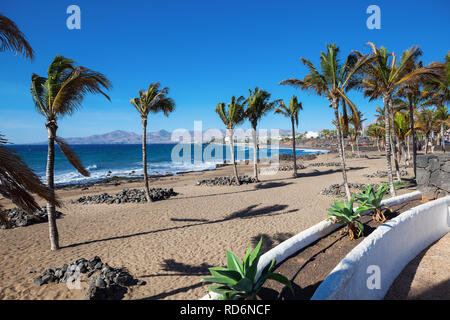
312 134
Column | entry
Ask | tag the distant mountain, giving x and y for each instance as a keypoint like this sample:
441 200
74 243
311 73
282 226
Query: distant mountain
127 137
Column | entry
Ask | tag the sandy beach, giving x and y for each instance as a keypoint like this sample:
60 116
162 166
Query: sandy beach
171 243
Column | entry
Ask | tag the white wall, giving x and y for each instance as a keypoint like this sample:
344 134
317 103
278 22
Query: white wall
391 247
301 240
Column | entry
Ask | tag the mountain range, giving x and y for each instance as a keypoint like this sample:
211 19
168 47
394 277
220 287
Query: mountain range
128 137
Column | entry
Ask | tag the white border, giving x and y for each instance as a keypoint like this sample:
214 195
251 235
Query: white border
390 247
303 239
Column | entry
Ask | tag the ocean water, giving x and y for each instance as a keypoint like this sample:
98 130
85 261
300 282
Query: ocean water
126 160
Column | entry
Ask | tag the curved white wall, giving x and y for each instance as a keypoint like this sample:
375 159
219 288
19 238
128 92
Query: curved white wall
303 239
391 247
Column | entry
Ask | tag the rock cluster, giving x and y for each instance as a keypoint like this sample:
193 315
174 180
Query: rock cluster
290 167
105 282
127 196
339 189
20 218
383 174
225 181
433 174
325 164
289 157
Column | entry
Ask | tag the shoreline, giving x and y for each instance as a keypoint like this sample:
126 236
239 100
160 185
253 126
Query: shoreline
134 178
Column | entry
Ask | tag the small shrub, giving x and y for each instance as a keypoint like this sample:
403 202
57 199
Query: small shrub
371 199
344 213
238 279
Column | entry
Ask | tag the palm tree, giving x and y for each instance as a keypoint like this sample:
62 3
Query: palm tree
402 131
376 132
292 113
257 106
356 121
12 39
17 182
383 78
439 86
62 93
442 118
426 122
334 80
152 100
437 89
414 99
232 117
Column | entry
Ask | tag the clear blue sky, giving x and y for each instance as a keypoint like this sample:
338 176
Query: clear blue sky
204 51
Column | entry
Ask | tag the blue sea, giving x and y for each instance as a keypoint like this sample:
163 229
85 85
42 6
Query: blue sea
104 161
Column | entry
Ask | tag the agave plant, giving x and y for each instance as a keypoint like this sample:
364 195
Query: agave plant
371 199
239 279
344 213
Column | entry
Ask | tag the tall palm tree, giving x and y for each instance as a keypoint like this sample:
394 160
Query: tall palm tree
62 93
17 182
257 106
12 39
231 117
152 100
332 82
437 89
414 98
383 78
292 113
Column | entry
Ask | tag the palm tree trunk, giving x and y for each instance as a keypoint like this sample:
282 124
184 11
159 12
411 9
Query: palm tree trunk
357 147
144 157
387 124
394 143
408 148
233 160
341 148
52 228
293 148
255 154
378 145
413 134
442 137
426 143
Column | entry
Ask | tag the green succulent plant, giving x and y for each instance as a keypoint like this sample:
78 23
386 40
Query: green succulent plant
371 199
239 279
344 213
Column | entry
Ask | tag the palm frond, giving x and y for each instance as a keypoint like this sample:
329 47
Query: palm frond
17 181
71 156
12 39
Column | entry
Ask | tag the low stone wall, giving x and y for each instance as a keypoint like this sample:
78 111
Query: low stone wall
433 175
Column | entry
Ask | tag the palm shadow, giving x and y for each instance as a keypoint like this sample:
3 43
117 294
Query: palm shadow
246 213
173 292
317 173
180 269
269 185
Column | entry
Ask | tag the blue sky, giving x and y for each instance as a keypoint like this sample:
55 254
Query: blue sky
204 51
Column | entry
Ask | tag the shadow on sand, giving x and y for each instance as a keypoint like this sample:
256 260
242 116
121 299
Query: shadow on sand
246 213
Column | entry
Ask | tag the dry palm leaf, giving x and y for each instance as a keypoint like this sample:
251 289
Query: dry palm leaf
71 156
